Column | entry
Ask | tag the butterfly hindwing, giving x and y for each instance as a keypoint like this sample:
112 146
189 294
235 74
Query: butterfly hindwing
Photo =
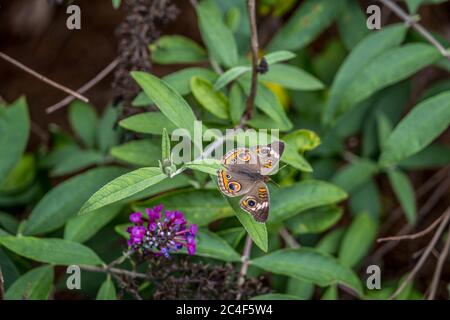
256 202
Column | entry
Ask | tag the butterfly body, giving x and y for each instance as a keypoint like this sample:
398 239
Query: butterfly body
247 171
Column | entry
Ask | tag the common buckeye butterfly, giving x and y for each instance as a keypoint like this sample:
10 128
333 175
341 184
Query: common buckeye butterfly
246 172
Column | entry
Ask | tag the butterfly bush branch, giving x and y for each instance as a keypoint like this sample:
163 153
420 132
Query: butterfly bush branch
87 86
424 256
411 21
255 48
2 286
42 78
439 266
288 238
245 262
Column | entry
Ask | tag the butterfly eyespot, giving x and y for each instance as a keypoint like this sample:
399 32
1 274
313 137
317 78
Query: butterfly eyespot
251 203
244 156
228 176
234 186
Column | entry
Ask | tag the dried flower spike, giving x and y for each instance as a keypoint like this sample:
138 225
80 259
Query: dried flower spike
152 233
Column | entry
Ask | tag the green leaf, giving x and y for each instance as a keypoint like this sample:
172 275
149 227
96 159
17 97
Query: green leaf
275 296
310 19
292 157
384 127
358 240
388 68
291 200
433 156
176 49
315 220
355 174
82 228
148 122
256 230
405 193
9 270
413 5
418 129
300 289
171 104
237 103
291 77
279 56
63 202
116 3
107 133
331 293
165 145
233 235
8 222
107 290
83 120
229 76
352 24
233 18
366 199
55 251
302 140
209 166
309 265
79 160
36 284
198 206
364 53
21 176
330 242
217 37
211 245
14 131
123 187
267 102
138 152
213 101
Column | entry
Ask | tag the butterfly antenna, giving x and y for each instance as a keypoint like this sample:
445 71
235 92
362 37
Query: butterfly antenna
271 180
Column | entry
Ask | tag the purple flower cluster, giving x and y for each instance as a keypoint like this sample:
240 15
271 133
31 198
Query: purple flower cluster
153 233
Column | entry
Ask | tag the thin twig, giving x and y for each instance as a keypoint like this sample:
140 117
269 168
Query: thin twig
424 256
288 238
254 46
421 191
439 266
245 263
429 204
422 233
410 21
2 285
116 271
42 78
88 85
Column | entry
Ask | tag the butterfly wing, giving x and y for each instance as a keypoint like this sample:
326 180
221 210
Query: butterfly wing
256 202
268 156
237 180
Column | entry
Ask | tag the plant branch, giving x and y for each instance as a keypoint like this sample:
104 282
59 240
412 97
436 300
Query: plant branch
2 286
429 204
245 262
254 47
410 21
439 266
115 271
288 238
424 256
422 233
88 85
42 78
